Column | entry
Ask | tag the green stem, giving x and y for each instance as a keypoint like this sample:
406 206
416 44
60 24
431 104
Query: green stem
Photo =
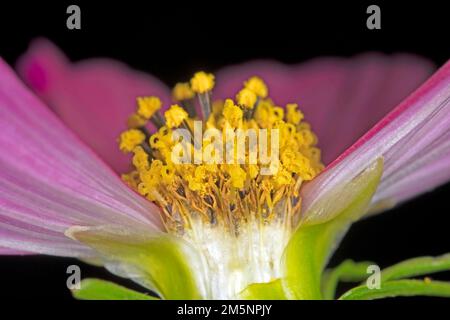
347 271
416 267
397 288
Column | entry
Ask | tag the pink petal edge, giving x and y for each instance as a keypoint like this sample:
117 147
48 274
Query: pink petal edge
12 252
413 139
50 180
342 98
93 98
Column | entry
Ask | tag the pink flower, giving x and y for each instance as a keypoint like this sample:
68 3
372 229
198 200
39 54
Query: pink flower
59 166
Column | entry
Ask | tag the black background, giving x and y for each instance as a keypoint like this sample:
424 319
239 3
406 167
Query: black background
172 41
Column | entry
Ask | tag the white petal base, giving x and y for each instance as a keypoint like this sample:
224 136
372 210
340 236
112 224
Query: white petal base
232 262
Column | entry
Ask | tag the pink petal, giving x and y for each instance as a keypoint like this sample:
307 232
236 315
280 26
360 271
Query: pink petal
94 97
49 180
12 252
414 182
341 97
414 140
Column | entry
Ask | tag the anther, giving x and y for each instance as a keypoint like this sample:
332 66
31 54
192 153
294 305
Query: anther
175 116
202 84
183 94
148 108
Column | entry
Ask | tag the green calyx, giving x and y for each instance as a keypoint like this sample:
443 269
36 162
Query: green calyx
161 263
310 246
96 289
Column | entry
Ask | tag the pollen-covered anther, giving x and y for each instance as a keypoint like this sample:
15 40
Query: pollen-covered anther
182 91
257 86
232 113
237 176
293 115
246 98
147 106
175 116
202 82
130 139
140 158
136 121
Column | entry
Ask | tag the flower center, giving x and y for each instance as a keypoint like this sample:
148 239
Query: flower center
226 175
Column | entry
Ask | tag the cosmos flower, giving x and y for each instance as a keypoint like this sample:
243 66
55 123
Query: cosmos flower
350 148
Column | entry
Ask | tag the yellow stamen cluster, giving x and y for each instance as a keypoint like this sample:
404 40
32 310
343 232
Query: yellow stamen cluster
221 184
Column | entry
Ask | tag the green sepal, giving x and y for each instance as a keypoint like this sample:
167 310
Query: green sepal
162 263
264 291
96 289
308 249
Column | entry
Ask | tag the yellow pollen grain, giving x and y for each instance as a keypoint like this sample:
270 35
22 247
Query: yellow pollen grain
129 139
147 106
246 98
132 179
197 180
237 175
140 158
278 113
175 116
182 91
232 113
167 174
282 178
253 171
293 115
257 86
202 82
136 121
